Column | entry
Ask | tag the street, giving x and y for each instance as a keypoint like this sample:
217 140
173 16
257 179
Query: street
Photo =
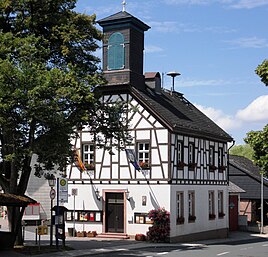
257 249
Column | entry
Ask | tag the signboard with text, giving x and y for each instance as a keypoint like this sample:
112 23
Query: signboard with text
63 190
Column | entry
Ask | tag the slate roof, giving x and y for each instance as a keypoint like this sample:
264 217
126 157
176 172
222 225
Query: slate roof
123 17
233 188
179 115
246 175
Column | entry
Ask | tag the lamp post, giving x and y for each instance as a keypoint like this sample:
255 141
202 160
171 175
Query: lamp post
51 183
261 202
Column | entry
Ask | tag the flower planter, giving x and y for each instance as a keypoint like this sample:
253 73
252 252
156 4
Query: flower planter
221 215
91 233
81 234
212 216
140 237
181 165
191 218
180 220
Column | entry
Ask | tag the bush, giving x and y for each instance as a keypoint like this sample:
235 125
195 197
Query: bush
160 230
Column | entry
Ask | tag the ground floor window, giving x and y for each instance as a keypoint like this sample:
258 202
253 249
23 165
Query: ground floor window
211 205
221 213
191 206
180 208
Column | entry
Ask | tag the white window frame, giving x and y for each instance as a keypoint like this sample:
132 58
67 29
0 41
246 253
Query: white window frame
211 155
88 153
180 151
191 203
220 202
143 153
211 203
191 153
180 205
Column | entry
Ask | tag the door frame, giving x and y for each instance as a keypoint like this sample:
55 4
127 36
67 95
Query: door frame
104 191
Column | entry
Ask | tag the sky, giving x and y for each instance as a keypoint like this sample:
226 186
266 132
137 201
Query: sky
216 45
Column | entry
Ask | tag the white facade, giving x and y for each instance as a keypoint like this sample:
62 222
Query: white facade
154 187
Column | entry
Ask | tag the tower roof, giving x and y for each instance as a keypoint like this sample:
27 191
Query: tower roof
123 18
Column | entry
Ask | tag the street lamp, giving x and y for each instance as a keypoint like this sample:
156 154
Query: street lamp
51 182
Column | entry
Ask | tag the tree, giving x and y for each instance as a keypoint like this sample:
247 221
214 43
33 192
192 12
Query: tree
242 150
262 72
48 89
258 140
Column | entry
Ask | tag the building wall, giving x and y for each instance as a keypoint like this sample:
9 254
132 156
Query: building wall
202 222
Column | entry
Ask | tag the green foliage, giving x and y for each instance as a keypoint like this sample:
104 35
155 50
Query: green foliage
262 72
160 230
242 150
48 81
258 140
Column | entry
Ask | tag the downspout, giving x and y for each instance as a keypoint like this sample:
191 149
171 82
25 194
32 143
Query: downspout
228 153
228 220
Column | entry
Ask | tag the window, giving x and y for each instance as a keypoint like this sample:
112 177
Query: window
144 154
116 52
220 204
211 160
88 155
220 160
180 156
180 208
191 156
191 206
211 155
211 205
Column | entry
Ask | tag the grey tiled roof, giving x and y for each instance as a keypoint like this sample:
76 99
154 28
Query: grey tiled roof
246 175
180 115
123 17
233 188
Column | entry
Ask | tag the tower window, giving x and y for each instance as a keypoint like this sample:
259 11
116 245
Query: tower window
116 52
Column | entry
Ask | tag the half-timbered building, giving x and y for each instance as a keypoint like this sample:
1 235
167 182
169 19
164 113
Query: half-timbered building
182 154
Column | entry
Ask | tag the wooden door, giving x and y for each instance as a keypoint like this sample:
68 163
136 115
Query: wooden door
114 213
233 212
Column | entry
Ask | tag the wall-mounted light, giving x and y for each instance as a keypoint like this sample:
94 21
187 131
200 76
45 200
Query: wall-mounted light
97 192
127 195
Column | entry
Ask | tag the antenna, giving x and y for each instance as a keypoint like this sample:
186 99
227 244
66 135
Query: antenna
124 5
173 74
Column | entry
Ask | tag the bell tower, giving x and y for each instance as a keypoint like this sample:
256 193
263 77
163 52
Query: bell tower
123 45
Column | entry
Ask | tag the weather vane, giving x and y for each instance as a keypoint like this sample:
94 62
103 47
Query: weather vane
124 5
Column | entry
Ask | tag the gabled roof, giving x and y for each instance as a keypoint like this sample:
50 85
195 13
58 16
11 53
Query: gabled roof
179 115
246 175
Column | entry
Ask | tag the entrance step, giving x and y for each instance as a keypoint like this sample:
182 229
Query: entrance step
113 235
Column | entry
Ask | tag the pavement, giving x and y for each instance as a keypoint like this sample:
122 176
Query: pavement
84 246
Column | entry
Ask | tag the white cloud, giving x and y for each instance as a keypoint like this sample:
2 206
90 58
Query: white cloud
191 2
211 82
164 26
257 111
248 4
219 117
236 4
153 49
250 42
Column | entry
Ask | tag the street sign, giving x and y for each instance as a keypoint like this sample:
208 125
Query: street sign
52 194
74 191
63 190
